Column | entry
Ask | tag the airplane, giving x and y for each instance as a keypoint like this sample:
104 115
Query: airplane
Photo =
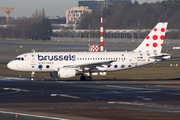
70 64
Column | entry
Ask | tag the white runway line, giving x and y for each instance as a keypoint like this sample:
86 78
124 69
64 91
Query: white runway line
62 95
132 88
37 116
12 78
16 89
64 82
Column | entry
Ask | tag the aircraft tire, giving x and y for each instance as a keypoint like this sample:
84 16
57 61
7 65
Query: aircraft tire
31 79
83 78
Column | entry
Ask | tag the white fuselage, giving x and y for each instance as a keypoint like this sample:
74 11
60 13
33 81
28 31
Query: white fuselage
51 61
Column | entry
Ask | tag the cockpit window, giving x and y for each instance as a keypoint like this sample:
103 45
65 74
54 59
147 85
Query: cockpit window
20 59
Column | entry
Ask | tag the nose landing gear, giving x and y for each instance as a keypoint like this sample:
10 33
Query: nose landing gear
32 76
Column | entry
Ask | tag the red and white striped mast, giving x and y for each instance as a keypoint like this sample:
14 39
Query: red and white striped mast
89 39
101 35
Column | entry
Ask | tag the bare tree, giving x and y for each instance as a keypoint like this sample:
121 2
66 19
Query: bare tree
43 13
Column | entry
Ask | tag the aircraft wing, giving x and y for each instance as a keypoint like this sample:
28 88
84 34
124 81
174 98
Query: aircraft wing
92 64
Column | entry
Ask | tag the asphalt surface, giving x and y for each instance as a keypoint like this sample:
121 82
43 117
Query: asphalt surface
139 97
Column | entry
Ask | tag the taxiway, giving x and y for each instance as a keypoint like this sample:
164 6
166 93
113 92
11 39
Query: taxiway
75 100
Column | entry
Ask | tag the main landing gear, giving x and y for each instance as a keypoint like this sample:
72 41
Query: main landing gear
32 76
85 78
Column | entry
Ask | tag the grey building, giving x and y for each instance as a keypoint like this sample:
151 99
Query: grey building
99 4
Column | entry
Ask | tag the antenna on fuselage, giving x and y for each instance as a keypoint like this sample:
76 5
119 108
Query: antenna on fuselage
33 50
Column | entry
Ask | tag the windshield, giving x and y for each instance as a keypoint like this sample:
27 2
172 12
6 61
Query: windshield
19 58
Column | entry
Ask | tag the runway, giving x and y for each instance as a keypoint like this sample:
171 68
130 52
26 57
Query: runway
74 99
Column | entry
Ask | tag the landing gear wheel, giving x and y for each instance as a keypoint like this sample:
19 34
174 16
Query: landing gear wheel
89 78
31 79
83 78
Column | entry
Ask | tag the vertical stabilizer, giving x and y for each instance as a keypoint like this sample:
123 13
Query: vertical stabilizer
154 41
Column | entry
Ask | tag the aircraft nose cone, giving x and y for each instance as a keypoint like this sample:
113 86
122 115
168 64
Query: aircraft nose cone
10 65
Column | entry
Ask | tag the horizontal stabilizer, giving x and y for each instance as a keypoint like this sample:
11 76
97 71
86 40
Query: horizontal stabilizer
161 57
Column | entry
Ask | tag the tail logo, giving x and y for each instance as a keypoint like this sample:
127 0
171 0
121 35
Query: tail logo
155 37
154 41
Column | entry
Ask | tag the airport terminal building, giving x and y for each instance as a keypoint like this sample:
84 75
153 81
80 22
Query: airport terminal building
73 15
99 4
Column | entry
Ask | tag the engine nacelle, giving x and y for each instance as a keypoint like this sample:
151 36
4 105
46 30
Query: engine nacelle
64 73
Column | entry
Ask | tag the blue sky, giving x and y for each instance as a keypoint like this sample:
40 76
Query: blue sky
52 7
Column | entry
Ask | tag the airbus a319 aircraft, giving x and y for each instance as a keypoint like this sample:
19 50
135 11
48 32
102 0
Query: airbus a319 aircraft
70 64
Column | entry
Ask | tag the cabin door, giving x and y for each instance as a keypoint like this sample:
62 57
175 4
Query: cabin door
32 59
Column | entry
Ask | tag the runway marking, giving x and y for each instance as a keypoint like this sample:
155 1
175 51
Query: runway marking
16 89
12 78
128 87
144 98
172 108
62 95
37 116
64 82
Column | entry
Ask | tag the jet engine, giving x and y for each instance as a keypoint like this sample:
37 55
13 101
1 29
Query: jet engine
64 73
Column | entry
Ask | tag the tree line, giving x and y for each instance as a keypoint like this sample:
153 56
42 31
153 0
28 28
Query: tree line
36 28
135 16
